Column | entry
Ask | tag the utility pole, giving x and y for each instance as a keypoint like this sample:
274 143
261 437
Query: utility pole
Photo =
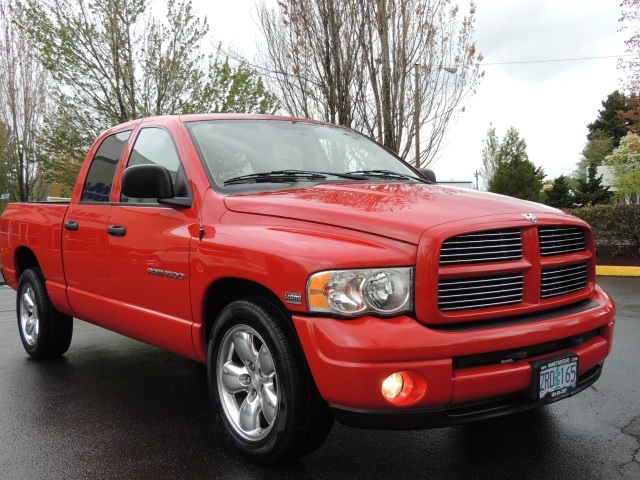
477 174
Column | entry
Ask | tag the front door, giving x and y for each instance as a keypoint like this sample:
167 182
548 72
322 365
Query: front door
148 249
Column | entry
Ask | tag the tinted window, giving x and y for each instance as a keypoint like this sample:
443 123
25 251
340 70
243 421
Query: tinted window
155 146
97 185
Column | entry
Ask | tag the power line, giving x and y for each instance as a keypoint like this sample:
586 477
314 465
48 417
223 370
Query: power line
269 73
557 60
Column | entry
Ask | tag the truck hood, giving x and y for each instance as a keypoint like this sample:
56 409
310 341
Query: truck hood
402 211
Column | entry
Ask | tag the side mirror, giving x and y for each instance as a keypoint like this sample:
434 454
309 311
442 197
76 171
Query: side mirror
429 174
147 181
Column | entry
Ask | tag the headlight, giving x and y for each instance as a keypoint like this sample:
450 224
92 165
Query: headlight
354 292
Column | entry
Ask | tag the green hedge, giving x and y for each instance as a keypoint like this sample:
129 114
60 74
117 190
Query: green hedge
616 229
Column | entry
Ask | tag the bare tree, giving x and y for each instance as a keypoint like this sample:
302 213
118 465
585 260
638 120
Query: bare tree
23 102
630 22
351 62
490 155
314 53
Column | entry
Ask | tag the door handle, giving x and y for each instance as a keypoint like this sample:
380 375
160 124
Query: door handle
116 230
71 226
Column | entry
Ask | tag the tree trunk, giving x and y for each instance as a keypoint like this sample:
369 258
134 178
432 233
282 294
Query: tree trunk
388 137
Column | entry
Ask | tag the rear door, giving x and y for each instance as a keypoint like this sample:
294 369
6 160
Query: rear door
84 238
148 250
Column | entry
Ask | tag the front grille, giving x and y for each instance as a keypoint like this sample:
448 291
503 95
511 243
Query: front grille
480 292
561 240
563 280
489 269
490 246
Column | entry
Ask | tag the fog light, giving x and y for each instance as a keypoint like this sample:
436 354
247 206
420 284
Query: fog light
392 385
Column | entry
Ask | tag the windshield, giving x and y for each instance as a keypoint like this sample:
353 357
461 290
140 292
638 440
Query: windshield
243 149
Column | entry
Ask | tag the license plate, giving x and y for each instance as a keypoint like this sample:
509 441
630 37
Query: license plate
554 376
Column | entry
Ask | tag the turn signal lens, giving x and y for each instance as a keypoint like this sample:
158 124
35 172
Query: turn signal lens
317 290
392 385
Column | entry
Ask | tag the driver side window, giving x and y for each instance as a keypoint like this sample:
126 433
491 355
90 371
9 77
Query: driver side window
155 146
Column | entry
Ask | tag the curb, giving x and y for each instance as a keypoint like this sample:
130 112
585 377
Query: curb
613 271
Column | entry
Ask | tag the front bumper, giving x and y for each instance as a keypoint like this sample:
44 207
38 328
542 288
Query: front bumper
349 360
446 417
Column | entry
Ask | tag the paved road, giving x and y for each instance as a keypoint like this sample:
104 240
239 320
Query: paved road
116 408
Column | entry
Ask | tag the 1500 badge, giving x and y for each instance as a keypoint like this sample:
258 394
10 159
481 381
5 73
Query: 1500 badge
167 274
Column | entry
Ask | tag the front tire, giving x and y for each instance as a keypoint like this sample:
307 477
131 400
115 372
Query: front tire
263 395
44 331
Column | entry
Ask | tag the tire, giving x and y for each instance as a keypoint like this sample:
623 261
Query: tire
44 331
262 393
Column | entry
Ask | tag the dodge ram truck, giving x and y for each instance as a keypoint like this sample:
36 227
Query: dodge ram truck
317 275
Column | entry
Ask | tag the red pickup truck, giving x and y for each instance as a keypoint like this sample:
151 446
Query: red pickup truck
317 275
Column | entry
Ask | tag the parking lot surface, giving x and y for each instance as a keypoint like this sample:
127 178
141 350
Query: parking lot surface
116 408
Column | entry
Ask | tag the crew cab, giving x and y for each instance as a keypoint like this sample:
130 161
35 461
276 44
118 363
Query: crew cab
317 275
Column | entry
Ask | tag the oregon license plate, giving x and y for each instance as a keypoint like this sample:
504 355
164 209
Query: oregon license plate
554 376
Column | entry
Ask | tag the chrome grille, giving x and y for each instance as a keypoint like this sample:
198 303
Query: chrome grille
480 292
562 280
561 240
490 246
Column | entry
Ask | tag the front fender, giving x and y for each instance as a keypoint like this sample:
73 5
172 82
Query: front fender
279 255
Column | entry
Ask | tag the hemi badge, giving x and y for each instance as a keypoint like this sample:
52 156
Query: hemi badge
295 298
530 216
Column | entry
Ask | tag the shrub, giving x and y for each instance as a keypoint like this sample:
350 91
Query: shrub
616 229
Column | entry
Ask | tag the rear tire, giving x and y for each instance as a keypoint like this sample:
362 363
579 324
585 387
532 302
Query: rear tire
262 392
44 331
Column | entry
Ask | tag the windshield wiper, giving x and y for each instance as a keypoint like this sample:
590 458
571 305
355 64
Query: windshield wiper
276 176
290 176
386 174
286 176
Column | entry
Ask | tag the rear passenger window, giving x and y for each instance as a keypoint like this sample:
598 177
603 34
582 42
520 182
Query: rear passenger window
97 185
155 146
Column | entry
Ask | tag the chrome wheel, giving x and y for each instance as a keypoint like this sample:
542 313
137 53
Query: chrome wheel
262 393
29 320
247 383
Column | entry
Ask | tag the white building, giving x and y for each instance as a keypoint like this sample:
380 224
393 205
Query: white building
456 183
607 181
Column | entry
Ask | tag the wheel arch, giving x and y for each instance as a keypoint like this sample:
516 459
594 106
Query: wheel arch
24 259
226 290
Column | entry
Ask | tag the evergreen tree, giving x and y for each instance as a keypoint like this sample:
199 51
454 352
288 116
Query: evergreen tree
590 191
620 114
515 174
560 195
518 178
610 121
512 147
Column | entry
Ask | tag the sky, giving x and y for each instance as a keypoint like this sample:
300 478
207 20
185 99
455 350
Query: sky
550 103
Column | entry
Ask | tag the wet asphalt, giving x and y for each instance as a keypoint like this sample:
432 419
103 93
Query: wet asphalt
116 408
